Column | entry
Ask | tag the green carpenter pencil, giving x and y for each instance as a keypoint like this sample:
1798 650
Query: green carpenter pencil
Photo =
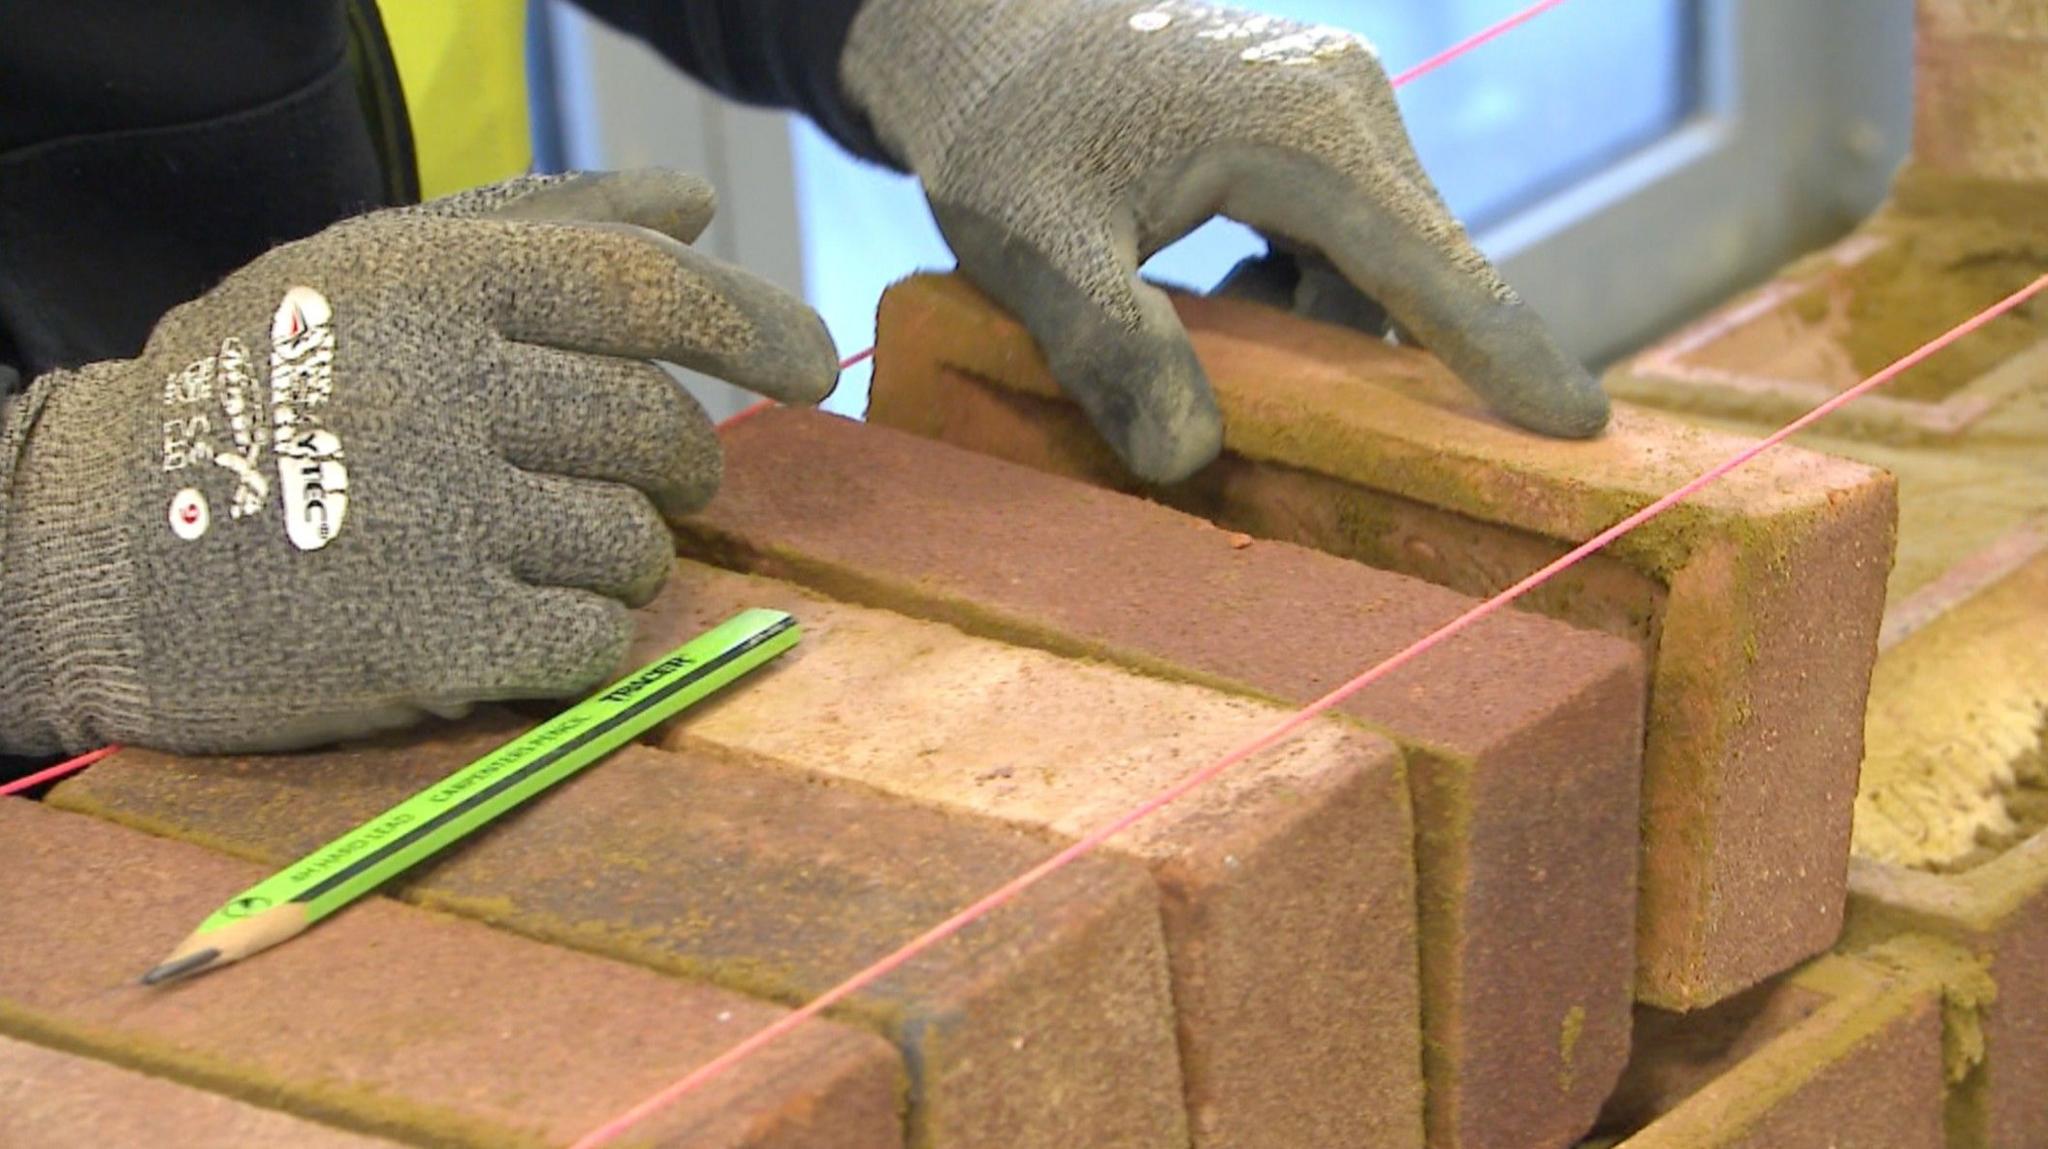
292 900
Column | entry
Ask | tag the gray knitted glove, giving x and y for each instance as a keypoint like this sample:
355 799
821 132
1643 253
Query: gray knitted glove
1062 142
414 462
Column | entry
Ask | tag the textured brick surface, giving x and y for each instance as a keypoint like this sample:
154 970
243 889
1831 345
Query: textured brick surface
1261 887
1524 733
1842 1054
53 1100
1287 886
1760 598
1998 913
1046 1026
395 1020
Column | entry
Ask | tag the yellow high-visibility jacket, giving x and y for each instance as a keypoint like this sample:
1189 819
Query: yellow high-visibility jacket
462 64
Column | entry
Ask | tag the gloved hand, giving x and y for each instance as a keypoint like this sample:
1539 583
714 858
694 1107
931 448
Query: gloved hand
1062 142
416 461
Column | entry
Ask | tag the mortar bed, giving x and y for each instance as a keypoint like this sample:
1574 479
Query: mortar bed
1848 312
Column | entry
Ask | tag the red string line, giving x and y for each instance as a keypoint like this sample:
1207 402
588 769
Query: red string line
1278 733
745 413
1466 45
60 770
748 412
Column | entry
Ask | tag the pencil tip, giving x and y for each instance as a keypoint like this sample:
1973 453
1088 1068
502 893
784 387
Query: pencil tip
179 967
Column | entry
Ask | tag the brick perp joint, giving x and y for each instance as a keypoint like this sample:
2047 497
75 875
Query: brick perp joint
405 835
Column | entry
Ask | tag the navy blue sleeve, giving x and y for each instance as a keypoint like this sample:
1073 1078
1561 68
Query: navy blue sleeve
769 53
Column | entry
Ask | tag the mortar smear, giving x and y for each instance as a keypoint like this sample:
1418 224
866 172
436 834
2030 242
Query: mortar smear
1955 769
1948 259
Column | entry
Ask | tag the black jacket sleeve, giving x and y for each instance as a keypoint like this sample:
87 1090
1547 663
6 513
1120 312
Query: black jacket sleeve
770 53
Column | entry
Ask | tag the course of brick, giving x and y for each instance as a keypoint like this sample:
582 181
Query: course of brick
1760 599
1524 734
1840 1054
397 1021
54 1100
1046 1026
1286 888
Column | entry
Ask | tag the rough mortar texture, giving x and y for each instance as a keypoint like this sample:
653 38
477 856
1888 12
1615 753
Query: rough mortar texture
396 1021
1957 771
1045 1026
1763 626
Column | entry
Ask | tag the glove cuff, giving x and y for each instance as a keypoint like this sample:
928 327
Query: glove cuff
70 641
918 69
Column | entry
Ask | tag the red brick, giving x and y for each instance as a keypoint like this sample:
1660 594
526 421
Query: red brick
1997 912
1842 1054
52 1100
394 1020
1287 886
1046 1025
1759 598
1527 804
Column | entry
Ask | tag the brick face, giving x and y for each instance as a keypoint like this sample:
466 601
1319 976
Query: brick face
1842 1054
1286 887
53 1100
1759 600
1046 1025
394 1020
1524 735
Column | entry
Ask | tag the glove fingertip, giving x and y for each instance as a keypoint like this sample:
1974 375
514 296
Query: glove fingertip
1584 415
1542 389
793 358
1150 398
693 488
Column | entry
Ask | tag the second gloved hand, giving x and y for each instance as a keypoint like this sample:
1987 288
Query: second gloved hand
417 461
1063 142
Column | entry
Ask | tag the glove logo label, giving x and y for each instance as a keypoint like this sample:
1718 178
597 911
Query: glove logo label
218 392
189 516
1264 39
311 468
251 486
